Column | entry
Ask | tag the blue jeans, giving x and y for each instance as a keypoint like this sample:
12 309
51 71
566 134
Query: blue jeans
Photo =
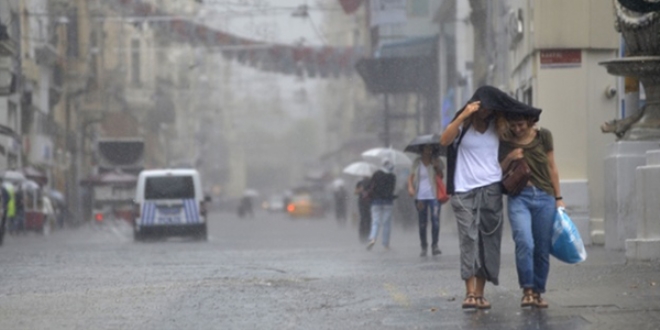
531 214
381 214
431 206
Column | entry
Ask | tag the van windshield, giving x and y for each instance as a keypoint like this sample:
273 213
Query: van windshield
170 187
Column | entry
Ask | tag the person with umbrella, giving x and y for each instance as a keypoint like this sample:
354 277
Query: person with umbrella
422 187
381 190
364 207
364 171
474 182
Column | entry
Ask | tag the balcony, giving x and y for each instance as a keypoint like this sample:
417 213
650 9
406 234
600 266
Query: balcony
8 47
139 98
7 77
46 55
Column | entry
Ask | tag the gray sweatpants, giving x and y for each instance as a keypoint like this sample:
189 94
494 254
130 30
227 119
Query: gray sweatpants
479 217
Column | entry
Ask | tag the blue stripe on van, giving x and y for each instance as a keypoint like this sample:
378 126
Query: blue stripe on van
190 213
148 213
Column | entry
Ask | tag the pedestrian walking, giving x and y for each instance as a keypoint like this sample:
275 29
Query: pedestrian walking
19 217
474 183
4 198
423 188
10 206
340 197
381 190
364 208
532 211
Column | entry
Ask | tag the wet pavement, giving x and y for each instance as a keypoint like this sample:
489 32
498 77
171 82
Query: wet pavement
271 272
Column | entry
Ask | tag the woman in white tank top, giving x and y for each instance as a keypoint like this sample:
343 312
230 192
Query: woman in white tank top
473 179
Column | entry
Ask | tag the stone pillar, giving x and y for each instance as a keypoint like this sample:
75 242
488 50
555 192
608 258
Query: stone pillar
620 214
646 246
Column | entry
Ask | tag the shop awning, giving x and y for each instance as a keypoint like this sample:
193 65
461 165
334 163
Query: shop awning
399 74
404 66
409 47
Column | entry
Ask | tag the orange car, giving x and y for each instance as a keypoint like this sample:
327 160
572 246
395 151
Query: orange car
304 205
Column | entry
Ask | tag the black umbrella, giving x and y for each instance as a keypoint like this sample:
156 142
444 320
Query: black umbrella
417 144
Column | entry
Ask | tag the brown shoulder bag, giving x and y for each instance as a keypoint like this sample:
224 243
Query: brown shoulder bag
516 177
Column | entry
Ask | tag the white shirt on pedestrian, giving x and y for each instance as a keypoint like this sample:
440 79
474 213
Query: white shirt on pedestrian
476 163
425 191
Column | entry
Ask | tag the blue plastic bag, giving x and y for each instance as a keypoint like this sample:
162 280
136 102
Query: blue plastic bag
567 244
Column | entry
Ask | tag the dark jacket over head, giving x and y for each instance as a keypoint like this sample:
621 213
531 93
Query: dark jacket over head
494 99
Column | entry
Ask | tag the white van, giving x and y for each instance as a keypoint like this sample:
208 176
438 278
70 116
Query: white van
169 202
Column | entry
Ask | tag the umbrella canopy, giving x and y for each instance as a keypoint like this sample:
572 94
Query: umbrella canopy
337 183
416 145
14 176
360 169
398 158
29 185
251 193
56 196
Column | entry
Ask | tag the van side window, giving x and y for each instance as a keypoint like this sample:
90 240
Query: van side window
169 187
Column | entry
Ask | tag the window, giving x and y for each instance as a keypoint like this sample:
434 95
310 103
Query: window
528 97
135 62
169 187
72 34
418 8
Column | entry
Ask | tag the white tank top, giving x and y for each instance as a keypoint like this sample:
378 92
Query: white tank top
476 162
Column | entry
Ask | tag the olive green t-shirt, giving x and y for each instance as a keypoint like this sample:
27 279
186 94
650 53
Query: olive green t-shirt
536 155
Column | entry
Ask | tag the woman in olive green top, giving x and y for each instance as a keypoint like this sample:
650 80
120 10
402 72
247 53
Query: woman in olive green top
531 212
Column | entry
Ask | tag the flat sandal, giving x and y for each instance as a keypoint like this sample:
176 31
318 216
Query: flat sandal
482 303
470 301
528 300
540 302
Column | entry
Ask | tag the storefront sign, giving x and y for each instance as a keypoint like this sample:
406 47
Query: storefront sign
561 58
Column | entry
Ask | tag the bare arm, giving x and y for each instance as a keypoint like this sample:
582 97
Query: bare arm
452 129
438 167
554 176
411 189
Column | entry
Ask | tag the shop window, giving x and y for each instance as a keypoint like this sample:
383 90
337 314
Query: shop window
418 8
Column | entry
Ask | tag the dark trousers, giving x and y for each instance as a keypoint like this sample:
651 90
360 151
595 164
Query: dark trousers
428 207
365 220
2 228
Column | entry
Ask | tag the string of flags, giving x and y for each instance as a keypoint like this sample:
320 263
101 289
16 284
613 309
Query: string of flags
323 62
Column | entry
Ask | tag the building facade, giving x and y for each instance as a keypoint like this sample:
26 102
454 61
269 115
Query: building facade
556 48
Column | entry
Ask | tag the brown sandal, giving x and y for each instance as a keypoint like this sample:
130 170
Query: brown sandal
528 300
540 302
470 301
482 303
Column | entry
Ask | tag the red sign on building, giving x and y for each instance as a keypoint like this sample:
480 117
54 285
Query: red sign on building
561 58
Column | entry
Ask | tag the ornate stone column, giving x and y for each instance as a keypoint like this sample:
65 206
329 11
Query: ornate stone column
628 169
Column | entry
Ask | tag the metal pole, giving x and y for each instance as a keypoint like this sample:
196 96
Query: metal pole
418 115
386 134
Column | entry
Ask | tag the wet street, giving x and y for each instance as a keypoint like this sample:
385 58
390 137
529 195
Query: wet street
272 272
